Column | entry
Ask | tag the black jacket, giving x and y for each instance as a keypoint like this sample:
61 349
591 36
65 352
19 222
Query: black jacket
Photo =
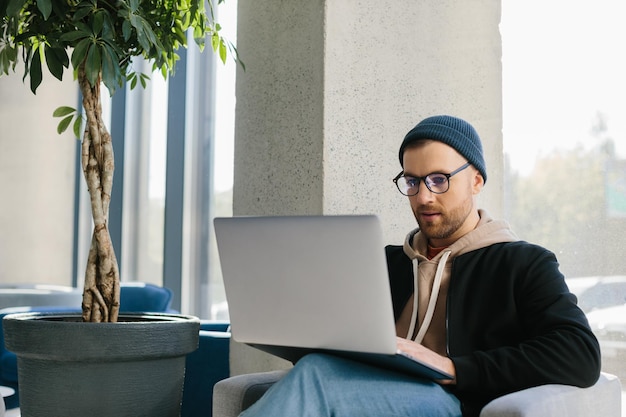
511 322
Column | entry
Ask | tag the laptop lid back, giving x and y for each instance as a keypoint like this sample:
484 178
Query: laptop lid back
307 281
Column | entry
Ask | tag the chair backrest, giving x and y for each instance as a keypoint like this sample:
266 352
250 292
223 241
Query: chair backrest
144 297
135 296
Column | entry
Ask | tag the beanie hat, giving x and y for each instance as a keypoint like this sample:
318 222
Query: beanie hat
452 131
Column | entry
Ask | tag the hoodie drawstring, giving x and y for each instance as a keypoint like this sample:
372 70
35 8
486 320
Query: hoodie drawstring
415 300
434 294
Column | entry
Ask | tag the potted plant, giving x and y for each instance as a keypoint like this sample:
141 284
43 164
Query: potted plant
99 40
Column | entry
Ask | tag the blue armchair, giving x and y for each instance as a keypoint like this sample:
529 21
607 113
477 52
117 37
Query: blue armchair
140 296
205 367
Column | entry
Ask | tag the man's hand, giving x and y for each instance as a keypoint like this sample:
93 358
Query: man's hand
424 354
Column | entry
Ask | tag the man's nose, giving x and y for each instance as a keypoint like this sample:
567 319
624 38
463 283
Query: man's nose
423 193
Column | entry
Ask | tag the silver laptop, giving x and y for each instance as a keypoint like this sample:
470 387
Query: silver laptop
298 284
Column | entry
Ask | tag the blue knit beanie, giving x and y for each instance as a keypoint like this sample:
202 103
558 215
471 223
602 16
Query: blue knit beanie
452 131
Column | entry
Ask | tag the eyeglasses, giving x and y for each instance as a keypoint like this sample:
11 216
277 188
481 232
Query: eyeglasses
436 182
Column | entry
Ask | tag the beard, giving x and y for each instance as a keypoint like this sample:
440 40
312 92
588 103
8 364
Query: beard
447 224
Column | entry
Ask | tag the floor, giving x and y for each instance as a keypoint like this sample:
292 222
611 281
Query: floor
15 412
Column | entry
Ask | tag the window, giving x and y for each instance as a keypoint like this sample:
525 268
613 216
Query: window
565 149
174 156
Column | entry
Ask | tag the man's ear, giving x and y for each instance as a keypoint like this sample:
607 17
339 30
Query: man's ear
477 182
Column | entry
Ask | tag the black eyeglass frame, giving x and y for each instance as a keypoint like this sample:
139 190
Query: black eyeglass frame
420 179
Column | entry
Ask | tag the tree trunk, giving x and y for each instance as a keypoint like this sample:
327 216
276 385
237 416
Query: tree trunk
101 294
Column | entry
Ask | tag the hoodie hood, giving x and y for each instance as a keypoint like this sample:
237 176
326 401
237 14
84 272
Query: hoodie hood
432 278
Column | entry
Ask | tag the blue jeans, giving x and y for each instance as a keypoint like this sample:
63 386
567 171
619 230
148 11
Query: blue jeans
322 385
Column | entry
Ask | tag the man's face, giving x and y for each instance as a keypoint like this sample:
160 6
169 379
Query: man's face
443 218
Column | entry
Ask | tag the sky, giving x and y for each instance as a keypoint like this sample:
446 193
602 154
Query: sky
563 64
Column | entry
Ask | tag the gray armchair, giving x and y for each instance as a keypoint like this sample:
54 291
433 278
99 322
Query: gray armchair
233 395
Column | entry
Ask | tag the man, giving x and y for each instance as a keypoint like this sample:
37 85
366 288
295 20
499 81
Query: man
469 298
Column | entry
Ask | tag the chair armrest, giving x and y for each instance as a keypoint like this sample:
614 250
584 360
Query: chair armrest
204 367
215 325
602 399
233 395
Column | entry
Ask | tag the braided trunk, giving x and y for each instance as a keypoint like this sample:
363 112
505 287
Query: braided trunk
101 295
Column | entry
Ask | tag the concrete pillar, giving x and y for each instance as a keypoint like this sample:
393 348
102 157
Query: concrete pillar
330 89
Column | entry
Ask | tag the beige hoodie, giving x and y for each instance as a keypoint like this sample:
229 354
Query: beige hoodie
432 278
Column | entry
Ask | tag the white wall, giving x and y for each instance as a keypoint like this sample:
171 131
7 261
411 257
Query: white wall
36 182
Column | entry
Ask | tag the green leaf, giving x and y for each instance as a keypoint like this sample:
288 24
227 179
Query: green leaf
84 28
7 60
126 30
143 40
77 125
135 20
98 22
61 55
134 5
223 51
73 36
35 71
45 7
12 53
81 12
108 29
150 34
133 81
54 65
4 62
80 52
63 111
14 7
180 35
111 74
63 124
144 78
111 44
215 41
198 37
93 64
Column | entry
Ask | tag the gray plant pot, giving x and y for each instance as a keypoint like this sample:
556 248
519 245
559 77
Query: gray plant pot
68 368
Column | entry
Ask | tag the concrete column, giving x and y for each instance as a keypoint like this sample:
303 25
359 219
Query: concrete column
330 89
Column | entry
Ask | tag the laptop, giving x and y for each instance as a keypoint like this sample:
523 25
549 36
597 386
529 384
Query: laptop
301 284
